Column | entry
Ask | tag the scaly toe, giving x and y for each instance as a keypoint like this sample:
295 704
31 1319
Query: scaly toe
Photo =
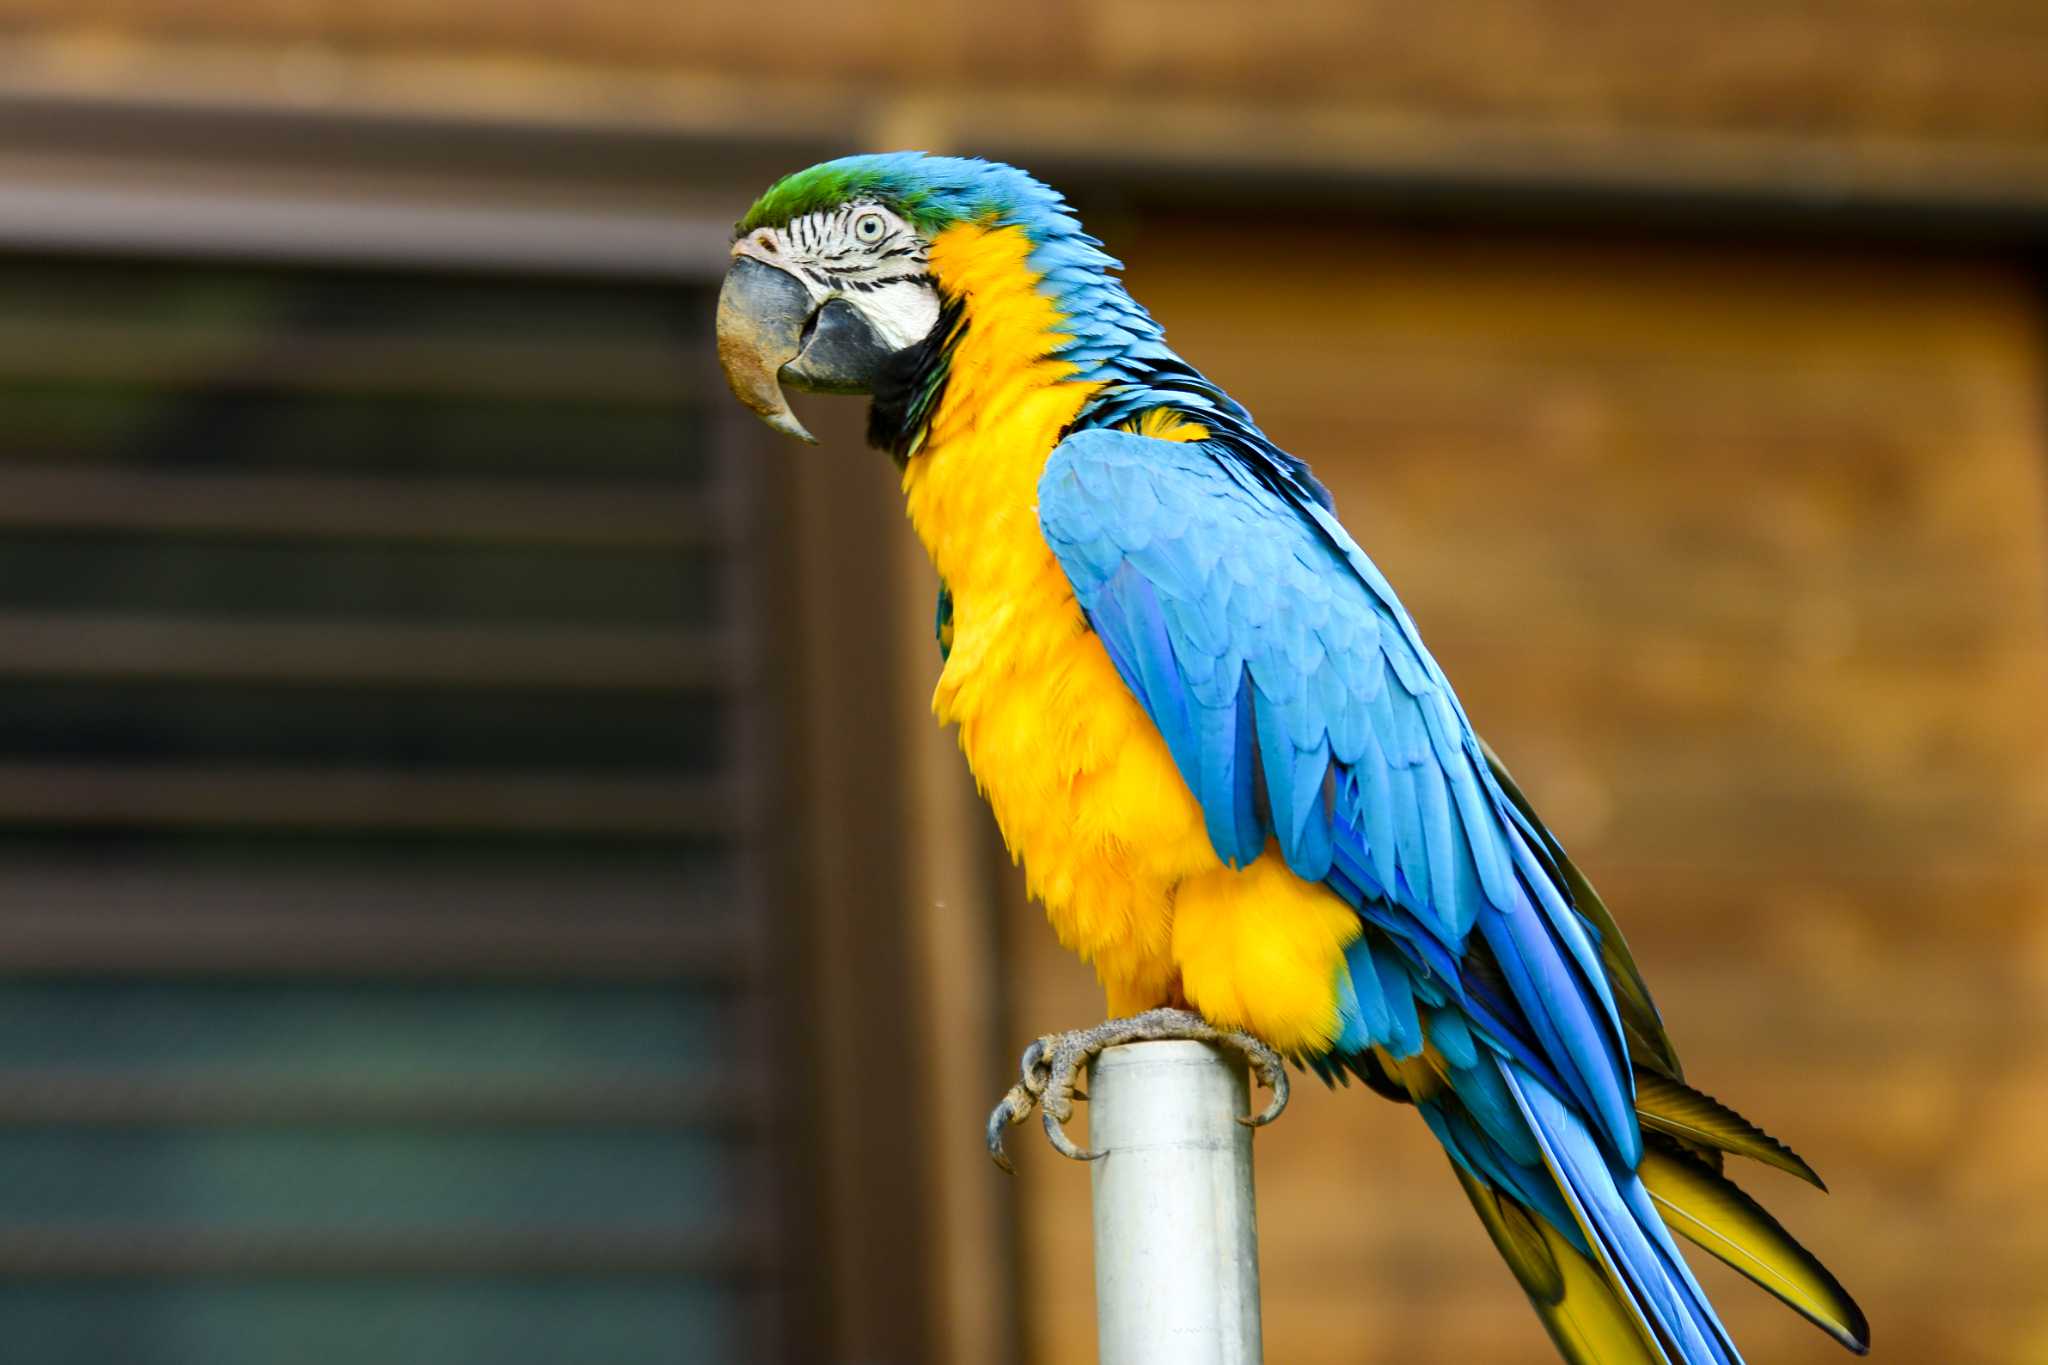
1035 1067
1049 1071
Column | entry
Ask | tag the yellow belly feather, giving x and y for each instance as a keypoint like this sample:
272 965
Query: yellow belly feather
1082 785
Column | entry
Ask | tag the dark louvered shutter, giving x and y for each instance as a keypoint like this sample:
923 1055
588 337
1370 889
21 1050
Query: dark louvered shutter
376 918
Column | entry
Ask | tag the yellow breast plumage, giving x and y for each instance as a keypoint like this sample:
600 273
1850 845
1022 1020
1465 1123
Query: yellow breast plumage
1083 787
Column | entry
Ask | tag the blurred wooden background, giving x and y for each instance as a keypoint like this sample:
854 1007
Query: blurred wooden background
1740 561
1685 366
1945 89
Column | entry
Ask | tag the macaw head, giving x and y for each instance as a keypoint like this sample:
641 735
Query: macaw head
830 278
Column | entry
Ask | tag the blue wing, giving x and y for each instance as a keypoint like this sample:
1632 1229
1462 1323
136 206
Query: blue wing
1301 707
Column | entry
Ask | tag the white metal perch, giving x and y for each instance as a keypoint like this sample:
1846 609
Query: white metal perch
1176 1236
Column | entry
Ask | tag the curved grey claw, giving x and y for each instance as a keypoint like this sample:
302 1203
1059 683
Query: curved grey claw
1033 1073
1014 1108
1272 1074
1061 1143
1051 1065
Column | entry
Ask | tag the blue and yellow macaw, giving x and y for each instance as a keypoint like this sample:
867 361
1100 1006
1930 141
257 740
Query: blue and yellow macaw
1236 779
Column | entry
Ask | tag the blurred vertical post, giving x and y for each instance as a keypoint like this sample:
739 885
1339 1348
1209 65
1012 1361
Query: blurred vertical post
1176 1238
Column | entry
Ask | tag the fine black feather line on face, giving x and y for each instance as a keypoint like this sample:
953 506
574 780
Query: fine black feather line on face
837 257
870 286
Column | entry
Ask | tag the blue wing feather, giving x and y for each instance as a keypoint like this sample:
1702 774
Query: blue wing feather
1615 1213
1296 697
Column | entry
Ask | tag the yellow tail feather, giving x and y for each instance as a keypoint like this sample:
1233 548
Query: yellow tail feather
1676 1108
1712 1212
1590 1322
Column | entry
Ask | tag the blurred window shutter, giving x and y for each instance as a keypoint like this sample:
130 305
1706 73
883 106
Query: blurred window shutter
376 910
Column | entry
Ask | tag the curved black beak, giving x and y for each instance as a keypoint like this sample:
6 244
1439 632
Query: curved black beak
769 334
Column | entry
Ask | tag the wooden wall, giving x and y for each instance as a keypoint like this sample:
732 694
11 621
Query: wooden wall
1938 96
1957 69
1739 559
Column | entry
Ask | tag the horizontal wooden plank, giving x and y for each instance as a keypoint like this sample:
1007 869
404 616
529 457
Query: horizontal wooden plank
572 940
339 653
157 1252
581 916
605 884
725 1104
109 214
78 794
47 348
1714 78
654 516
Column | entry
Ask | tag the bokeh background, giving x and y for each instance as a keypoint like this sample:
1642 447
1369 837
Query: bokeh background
478 881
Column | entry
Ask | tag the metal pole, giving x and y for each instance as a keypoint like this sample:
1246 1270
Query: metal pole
1176 1240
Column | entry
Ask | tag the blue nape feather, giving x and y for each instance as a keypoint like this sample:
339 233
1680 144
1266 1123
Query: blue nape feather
1112 341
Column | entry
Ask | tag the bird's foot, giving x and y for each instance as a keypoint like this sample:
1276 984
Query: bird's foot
1053 1064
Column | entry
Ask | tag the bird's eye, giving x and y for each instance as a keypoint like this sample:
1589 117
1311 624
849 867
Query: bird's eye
869 227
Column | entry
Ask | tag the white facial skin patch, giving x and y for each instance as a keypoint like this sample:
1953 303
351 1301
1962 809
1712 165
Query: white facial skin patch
863 253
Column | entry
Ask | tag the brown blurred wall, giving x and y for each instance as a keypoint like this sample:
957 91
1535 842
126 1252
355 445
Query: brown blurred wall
1945 90
1733 540
1740 560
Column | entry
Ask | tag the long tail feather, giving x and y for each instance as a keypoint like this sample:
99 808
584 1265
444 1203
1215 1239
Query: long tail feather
1676 1108
1649 1045
1713 1212
1621 1224
1574 1300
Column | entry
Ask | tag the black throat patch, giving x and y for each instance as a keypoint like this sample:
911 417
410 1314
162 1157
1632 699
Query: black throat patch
910 383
